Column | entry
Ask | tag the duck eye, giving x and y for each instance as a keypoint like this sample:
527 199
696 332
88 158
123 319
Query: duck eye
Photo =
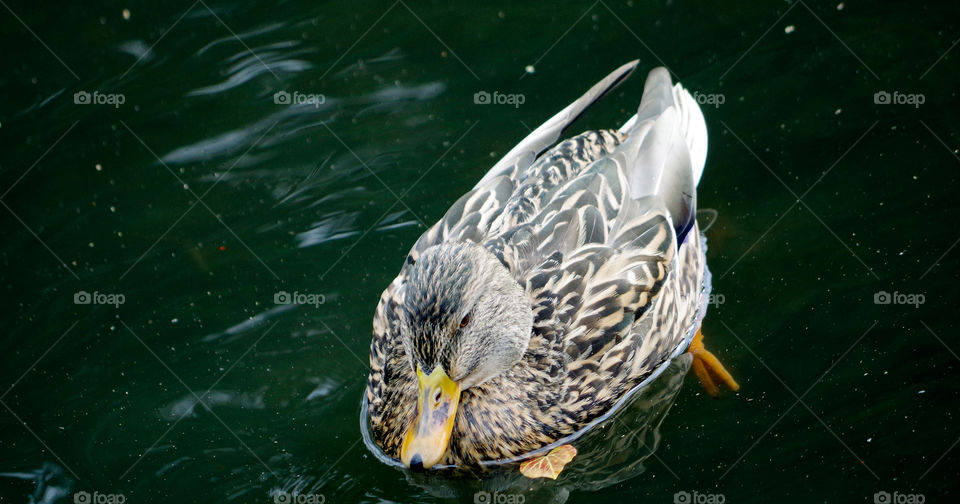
465 321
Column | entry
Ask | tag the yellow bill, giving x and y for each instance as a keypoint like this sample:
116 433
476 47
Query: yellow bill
427 439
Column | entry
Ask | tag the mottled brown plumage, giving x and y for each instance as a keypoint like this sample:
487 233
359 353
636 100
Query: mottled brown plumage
598 232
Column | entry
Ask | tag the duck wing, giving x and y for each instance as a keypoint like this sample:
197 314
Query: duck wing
614 274
520 177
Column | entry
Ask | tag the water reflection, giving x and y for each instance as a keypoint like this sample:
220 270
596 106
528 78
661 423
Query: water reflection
50 483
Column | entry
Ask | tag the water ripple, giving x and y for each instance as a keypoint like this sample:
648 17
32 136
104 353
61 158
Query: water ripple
186 405
335 226
253 65
138 49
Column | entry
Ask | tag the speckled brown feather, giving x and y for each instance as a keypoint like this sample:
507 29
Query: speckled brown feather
614 296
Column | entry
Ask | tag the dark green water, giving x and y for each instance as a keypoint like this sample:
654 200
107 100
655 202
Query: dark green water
198 198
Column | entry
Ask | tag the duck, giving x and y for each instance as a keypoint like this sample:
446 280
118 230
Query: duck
572 272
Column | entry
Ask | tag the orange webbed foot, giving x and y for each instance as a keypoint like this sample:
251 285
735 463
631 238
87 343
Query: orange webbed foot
708 368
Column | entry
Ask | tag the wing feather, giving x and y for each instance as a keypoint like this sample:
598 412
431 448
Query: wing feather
599 230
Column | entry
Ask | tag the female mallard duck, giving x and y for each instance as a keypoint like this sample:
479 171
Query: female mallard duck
548 292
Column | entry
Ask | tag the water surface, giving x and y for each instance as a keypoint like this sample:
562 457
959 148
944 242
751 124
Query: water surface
198 199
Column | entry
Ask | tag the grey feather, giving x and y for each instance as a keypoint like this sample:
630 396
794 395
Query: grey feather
593 239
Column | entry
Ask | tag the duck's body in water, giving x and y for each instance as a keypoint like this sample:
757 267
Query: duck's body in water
559 283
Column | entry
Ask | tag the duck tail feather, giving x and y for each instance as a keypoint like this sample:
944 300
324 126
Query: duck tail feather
665 149
549 132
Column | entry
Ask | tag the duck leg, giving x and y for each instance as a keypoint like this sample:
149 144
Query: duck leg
708 369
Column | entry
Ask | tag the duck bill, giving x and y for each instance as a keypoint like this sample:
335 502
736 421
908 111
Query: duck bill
427 439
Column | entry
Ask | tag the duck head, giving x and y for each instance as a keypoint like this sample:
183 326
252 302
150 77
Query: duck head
465 320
